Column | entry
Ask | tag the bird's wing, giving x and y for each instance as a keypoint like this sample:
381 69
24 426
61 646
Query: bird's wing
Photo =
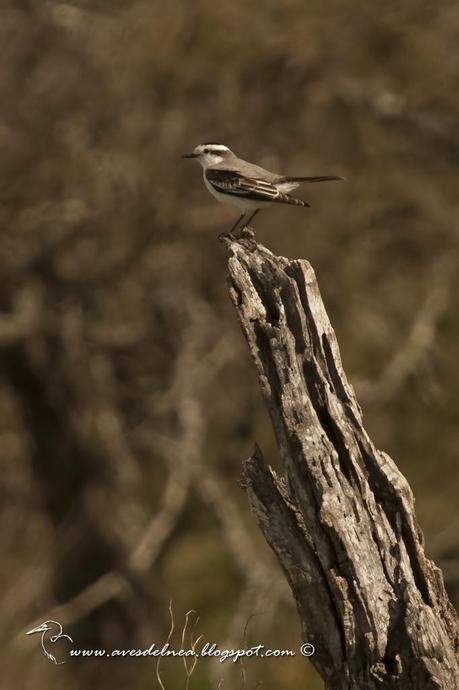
234 182
315 178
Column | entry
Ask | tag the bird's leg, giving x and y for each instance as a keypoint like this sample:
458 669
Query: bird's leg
229 234
252 217
246 230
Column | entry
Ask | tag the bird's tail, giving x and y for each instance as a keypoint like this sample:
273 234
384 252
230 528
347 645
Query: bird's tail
316 178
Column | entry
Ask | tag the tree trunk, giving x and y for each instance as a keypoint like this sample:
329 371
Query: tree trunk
341 518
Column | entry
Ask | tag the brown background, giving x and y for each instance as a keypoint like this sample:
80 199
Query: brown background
127 397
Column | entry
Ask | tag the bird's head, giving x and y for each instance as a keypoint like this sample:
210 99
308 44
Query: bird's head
40 628
209 154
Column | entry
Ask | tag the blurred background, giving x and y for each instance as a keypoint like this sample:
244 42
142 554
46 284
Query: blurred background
127 398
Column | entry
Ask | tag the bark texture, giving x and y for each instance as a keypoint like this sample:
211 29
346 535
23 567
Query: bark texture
341 519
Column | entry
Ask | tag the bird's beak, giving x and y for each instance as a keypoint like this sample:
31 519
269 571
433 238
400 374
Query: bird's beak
39 628
190 155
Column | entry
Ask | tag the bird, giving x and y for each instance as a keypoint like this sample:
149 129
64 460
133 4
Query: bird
44 628
235 181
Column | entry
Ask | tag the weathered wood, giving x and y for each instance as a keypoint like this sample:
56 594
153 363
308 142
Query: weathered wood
341 519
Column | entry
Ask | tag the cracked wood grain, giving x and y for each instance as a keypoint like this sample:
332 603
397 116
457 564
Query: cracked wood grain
341 519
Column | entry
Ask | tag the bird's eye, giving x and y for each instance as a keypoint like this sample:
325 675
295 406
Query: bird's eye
206 150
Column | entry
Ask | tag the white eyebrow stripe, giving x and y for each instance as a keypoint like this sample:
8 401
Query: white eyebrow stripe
214 148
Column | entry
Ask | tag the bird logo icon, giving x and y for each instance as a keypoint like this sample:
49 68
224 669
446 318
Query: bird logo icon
48 638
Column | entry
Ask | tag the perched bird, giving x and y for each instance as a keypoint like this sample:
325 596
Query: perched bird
249 187
44 629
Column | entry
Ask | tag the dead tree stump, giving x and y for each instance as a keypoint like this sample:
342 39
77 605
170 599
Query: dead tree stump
341 519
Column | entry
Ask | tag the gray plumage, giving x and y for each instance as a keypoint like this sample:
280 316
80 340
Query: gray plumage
250 187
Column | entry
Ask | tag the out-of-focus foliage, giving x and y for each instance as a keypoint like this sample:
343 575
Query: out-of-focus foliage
127 397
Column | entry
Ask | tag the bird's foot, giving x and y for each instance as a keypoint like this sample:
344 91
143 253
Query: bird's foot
246 233
226 237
